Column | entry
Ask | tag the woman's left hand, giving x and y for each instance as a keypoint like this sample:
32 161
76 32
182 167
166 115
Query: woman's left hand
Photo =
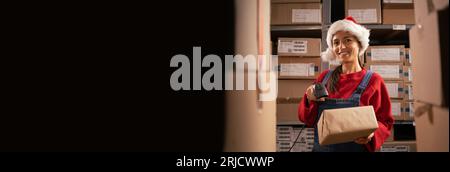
364 140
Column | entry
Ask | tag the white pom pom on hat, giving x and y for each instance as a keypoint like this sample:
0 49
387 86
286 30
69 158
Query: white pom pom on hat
348 24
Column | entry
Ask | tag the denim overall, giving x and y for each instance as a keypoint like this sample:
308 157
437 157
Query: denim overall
330 103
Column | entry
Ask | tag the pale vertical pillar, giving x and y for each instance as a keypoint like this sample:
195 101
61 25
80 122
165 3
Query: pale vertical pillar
250 123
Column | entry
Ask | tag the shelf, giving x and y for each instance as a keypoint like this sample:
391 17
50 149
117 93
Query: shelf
386 26
290 123
404 122
296 28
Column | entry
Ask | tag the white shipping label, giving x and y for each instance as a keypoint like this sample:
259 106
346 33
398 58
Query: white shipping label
295 69
397 1
385 54
311 70
411 109
306 16
364 15
392 89
410 94
410 57
409 74
387 71
293 46
398 27
396 108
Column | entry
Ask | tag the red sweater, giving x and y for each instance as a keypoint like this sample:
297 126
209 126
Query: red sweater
375 94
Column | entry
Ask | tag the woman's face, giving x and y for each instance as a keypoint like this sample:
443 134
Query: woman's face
345 47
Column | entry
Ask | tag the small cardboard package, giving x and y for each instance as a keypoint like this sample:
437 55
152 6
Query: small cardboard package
346 124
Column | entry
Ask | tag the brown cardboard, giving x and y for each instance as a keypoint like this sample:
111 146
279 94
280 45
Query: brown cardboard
299 68
399 146
339 125
398 16
431 128
287 112
296 13
388 71
293 88
299 47
294 1
386 53
408 57
407 74
398 4
408 92
427 70
408 110
364 12
395 89
397 109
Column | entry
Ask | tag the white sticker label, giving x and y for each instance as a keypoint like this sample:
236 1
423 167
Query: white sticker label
409 74
396 108
385 54
293 46
411 109
398 27
392 89
311 70
410 94
387 71
295 69
364 15
306 16
410 57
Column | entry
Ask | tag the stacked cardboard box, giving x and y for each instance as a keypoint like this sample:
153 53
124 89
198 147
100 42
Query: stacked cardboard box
364 12
296 12
429 42
299 65
288 137
398 12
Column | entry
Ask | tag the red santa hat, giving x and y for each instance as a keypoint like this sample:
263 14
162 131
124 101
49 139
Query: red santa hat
348 24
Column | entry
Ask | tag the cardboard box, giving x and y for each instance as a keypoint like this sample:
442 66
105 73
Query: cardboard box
395 89
294 1
296 13
287 111
396 109
299 47
408 57
388 71
408 92
299 68
431 128
399 4
398 16
429 47
399 146
387 53
407 74
408 110
339 126
293 88
364 12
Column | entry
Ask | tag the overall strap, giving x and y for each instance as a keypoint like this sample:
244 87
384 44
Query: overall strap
362 86
327 76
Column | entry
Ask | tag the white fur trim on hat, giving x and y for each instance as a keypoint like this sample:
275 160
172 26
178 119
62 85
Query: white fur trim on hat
347 24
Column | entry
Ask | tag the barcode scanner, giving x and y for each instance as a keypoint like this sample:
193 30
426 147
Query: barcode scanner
320 91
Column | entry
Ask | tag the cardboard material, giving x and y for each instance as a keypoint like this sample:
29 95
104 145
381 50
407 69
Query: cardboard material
408 57
432 129
299 47
388 71
387 53
398 16
399 146
430 67
299 68
296 13
287 111
408 113
395 89
364 12
289 89
346 124
396 109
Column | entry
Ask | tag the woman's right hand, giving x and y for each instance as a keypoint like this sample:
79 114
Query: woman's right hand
310 94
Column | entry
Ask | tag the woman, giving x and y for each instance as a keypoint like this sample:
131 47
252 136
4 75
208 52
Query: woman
351 84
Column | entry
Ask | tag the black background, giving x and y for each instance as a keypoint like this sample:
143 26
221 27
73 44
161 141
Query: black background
95 77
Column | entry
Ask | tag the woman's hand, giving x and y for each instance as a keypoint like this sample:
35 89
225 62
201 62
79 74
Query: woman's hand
364 140
310 94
